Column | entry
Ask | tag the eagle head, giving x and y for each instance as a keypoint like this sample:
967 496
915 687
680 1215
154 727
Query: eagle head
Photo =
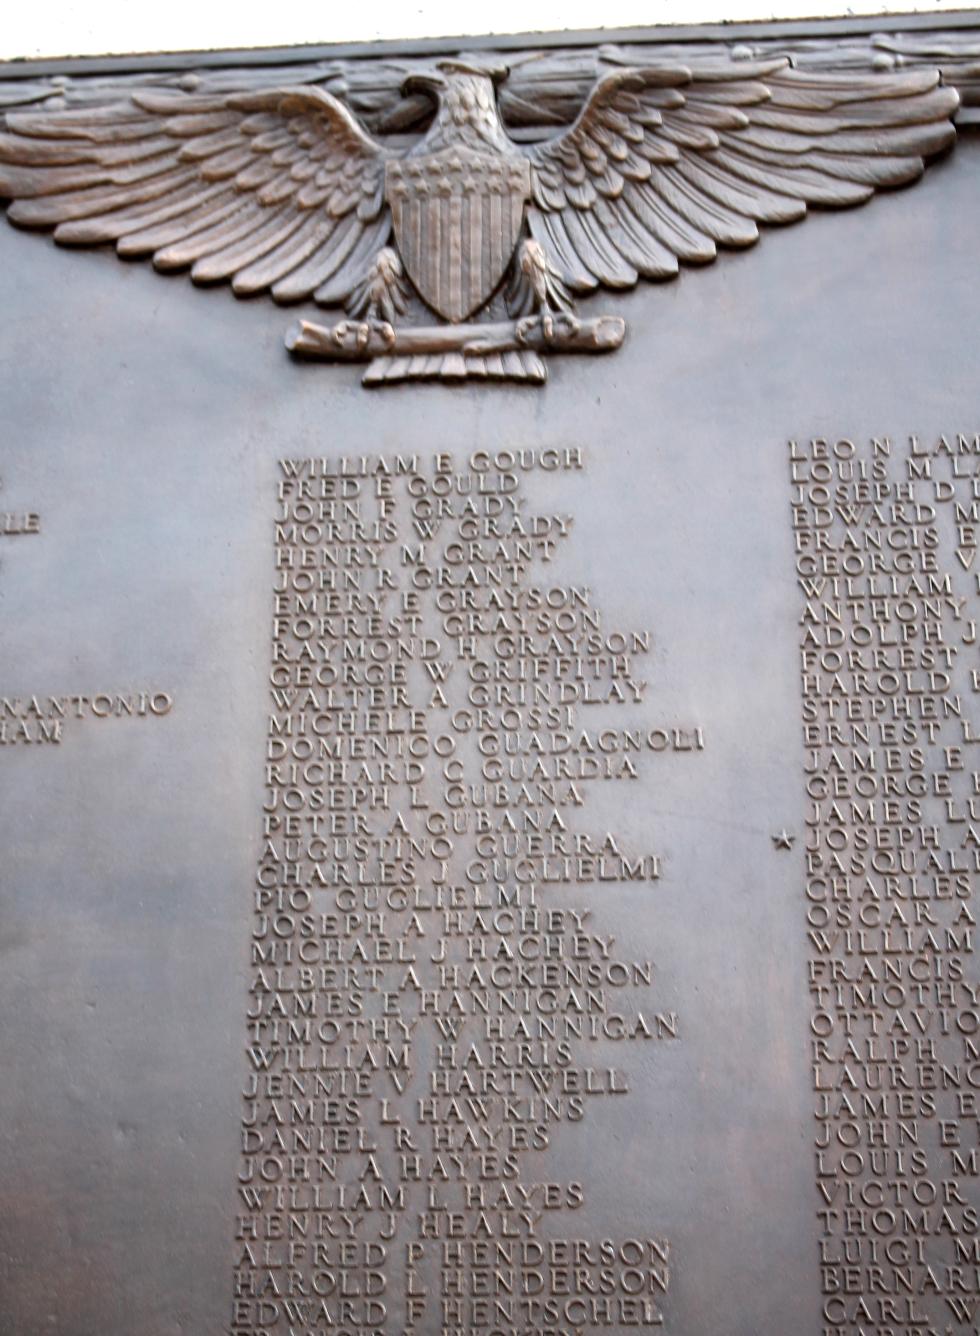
465 93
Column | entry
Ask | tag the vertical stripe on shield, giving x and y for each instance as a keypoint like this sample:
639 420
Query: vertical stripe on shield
455 248
434 249
454 255
516 216
417 235
444 279
474 213
496 239
420 240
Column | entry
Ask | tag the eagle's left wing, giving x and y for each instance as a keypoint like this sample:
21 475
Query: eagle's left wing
665 164
279 191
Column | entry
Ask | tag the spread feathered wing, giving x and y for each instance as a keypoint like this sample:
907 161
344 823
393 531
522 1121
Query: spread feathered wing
278 190
666 164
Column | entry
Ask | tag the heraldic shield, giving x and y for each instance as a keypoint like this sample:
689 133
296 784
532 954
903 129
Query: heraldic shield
457 217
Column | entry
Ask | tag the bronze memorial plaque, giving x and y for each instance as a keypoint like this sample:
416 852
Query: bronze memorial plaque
491 788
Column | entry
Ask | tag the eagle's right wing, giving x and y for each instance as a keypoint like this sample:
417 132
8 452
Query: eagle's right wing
665 163
279 191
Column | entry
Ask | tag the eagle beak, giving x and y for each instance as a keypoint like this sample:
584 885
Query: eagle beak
428 82
461 65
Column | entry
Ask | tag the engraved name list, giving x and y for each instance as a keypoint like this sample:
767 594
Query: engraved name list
886 536
433 997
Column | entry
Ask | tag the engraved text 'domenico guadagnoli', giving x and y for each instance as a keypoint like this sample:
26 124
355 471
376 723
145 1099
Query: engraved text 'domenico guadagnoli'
495 232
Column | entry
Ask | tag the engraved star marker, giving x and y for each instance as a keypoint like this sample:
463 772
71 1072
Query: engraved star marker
783 840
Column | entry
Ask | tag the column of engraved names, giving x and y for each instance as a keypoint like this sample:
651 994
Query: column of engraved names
885 535
425 991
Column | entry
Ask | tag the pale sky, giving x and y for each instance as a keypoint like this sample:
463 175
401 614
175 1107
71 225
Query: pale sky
67 27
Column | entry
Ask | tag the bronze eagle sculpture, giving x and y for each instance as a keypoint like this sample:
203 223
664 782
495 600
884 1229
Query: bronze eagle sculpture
284 191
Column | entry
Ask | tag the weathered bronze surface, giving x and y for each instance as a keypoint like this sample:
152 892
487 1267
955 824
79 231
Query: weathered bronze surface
283 191
480 860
